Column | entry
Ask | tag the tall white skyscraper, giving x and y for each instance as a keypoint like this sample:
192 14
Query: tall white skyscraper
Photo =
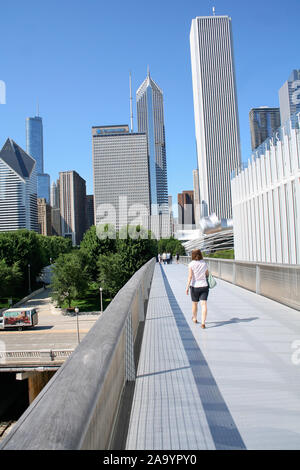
18 188
215 109
289 97
150 117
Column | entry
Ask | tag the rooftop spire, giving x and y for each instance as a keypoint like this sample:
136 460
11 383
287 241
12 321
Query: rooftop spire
131 114
148 71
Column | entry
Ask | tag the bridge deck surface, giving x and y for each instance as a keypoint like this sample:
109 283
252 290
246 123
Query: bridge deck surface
233 385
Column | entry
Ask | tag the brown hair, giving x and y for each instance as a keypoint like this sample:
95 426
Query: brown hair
197 255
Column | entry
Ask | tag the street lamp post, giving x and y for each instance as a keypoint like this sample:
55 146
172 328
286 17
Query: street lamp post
101 301
76 311
29 283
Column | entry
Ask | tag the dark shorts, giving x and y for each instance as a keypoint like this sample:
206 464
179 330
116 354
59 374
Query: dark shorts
199 293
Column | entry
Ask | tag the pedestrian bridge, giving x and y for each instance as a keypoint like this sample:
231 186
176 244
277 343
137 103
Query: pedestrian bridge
233 385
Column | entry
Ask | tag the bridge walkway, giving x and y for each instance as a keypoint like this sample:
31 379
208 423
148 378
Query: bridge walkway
233 385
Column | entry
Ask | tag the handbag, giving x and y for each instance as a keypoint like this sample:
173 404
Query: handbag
211 281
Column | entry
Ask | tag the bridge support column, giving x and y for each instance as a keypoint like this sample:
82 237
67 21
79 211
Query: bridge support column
36 382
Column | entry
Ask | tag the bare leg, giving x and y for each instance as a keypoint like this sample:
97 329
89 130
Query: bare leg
195 310
203 310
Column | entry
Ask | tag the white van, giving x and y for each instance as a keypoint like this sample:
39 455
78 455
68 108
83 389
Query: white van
20 318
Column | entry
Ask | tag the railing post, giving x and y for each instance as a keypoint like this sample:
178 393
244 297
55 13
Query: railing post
141 303
129 350
257 279
234 273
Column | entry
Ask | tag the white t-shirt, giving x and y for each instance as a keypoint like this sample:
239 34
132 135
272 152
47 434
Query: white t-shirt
199 269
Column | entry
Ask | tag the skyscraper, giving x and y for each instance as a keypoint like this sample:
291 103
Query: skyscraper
121 176
18 200
289 96
55 210
215 110
264 122
150 118
34 141
72 191
186 208
44 217
89 211
34 147
197 213
54 195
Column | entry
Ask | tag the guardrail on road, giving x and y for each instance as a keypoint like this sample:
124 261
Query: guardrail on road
41 356
78 407
280 282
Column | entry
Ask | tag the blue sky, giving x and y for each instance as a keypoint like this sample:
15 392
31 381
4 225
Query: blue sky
74 57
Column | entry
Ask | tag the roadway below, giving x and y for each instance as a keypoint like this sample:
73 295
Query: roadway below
54 330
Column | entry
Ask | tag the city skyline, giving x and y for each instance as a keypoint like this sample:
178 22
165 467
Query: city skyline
63 94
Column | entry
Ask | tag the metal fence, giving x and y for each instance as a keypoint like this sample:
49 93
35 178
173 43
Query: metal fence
77 409
280 282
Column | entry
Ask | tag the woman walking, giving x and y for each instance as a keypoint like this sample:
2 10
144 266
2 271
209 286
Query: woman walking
197 283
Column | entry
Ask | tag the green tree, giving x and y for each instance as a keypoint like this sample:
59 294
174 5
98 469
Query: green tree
70 278
93 245
171 245
10 279
53 246
22 246
112 275
134 248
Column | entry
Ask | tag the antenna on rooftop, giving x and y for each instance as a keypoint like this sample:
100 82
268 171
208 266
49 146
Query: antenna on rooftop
131 115
37 108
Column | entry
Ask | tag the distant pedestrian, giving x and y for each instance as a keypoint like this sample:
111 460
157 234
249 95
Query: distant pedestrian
177 258
197 283
168 258
159 258
164 257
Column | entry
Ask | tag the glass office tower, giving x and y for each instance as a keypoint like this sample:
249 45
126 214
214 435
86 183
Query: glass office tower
35 148
34 141
264 121
150 117
215 111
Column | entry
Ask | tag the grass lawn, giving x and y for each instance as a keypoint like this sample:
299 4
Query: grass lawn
91 303
4 303
225 254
